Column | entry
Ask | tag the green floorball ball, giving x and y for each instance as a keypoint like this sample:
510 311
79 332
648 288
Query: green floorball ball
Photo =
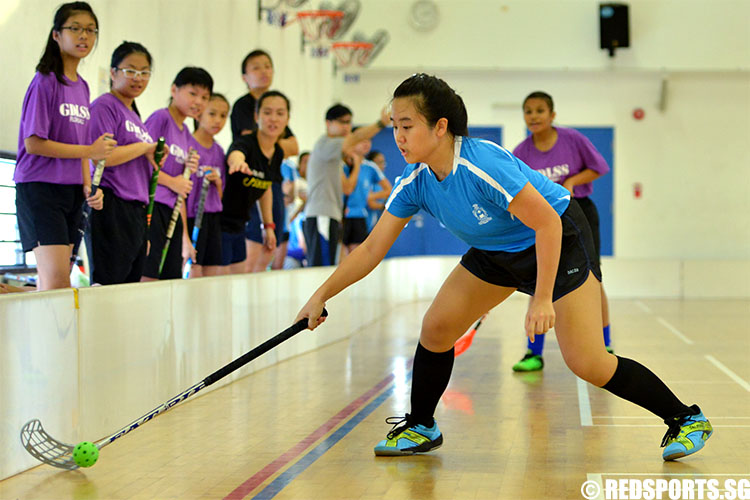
85 454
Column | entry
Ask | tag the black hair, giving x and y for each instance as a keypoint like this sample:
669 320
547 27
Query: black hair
337 111
121 52
51 60
302 155
434 99
191 75
372 154
540 95
215 95
271 93
253 55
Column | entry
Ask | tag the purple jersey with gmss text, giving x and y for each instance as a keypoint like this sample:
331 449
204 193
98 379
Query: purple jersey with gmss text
211 159
161 124
571 154
129 180
54 112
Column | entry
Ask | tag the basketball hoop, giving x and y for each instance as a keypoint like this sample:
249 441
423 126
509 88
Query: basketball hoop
319 27
350 54
278 12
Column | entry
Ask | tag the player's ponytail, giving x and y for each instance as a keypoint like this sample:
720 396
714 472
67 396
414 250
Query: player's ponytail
121 52
434 99
51 60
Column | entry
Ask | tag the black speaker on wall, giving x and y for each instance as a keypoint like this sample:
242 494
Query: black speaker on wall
614 26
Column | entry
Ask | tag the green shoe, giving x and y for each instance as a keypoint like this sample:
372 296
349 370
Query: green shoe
610 350
529 363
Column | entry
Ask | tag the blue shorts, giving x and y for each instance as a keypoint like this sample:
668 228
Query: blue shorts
232 248
252 228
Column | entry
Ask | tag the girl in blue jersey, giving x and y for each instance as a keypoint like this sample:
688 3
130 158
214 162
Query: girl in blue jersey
526 234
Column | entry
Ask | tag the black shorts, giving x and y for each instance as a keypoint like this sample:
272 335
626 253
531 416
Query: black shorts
518 269
208 247
592 215
354 230
322 240
48 214
253 230
233 250
158 236
118 240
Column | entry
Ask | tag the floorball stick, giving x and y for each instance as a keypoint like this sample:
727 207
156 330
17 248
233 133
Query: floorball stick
98 171
158 155
52 452
463 343
173 219
198 219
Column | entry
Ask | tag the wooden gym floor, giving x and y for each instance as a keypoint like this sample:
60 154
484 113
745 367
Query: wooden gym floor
305 428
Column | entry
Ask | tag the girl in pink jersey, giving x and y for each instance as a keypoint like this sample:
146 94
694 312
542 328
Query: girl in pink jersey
208 244
190 92
52 175
118 231
567 157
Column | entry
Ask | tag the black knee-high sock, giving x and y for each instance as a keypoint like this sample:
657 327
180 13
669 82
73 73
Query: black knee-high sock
636 383
430 376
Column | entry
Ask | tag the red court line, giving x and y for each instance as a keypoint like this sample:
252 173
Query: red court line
256 480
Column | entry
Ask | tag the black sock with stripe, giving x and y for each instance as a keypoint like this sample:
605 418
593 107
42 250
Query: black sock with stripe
430 377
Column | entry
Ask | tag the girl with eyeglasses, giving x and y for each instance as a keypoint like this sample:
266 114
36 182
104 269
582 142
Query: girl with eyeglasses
190 93
54 148
118 231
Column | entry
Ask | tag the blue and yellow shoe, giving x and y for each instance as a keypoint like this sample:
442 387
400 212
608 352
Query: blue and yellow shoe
686 435
408 438
529 363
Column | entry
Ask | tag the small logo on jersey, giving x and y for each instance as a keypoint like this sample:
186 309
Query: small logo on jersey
76 113
481 214
573 271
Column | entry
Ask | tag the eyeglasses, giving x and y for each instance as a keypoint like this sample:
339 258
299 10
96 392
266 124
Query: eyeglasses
77 30
132 73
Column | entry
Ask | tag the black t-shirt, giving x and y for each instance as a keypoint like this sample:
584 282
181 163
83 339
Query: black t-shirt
243 117
242 190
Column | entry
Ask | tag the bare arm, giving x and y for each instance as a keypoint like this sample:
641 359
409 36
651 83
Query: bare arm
534 211
123 154
356 266
583 177
374 199
290 146
44 147
350 182
265 204
366 132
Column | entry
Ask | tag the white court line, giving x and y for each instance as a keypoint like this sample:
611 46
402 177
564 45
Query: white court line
720 426
739 474
651 416
674 330
718 364
643 307
584 405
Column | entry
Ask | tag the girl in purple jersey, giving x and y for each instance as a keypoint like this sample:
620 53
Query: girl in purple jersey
208 247
446 175
52 172
190 93
118 231
566 157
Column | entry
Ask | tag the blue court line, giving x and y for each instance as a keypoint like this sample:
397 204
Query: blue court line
281 482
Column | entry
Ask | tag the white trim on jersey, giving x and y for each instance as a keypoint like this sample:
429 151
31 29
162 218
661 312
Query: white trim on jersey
498 147
485 177
405 182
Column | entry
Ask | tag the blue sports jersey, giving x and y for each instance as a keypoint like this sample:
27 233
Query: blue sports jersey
356 203
288 171
472 201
